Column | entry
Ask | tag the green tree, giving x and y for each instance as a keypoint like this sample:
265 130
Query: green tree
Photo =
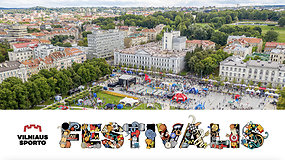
271 36
281 21
34 94
250 82
281 100
219 38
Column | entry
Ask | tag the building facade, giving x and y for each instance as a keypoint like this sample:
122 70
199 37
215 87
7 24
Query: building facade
238 50
269 46
134 40
173 41
44 50
278 54
103 43
151 56
246 42
204 44
12 69
22 51
253 70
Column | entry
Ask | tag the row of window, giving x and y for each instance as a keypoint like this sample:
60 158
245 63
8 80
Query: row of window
255 71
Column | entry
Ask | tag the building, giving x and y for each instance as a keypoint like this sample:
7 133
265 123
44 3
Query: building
134 40
44 50
173 41
246 42
103 43
22 51
150 34
17 31
253 70
278 54
204 44
68 57
12 69
59 59
151 56
272 45
159 28
238 50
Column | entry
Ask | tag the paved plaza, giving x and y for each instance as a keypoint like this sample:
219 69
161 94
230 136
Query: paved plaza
221 98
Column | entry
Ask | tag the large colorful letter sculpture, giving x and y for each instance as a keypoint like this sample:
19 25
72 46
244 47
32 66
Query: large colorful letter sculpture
114 140
90 136
150 136
253 137
66 136
193 135
134 130
215 138
234 136
169 140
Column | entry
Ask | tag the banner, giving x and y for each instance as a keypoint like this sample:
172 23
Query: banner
141 134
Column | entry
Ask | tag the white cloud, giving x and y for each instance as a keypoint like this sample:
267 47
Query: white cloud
126 3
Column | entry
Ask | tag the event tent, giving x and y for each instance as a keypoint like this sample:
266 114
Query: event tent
200 107
129 101
58 98
179 96
120 106
110 106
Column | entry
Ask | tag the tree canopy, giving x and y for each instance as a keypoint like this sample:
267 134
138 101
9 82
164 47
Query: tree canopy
15 94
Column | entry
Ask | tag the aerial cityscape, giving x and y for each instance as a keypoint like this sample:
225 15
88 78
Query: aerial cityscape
219 57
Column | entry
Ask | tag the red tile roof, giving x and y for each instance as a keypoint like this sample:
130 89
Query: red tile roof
148 30
200 42
24 45
72 51
273 44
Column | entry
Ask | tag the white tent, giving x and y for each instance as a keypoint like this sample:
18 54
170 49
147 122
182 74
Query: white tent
99 101
258 91
266 93
276 95
129 101
149 105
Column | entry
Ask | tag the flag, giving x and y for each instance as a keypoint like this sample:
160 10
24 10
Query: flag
146 78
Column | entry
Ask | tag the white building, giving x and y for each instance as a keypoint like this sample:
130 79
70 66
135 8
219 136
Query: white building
151 55
22 51
238 50
12 69
103 43
253 70
173 41
278 54
44 50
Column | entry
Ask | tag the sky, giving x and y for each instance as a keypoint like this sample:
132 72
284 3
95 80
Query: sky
132 3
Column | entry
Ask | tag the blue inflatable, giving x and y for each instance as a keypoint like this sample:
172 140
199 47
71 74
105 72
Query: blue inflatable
120 106
200 107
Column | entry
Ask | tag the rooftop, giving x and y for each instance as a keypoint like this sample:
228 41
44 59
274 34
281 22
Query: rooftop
153 49
9 65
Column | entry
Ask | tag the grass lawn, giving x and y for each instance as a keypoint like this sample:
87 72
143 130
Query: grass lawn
280 30
258 21
107 98
202 24
37 108
51 101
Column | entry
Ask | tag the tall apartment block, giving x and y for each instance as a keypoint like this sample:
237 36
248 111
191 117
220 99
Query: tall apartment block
103 43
